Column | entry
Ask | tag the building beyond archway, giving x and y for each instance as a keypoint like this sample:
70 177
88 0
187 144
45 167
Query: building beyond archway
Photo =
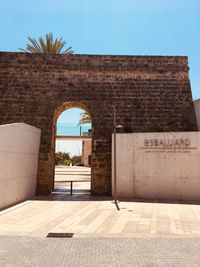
76 167
151 93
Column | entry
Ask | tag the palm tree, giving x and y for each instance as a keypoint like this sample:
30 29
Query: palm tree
85 118
48 46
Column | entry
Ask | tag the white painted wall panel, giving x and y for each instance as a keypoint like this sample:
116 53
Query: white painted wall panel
158 172
19 148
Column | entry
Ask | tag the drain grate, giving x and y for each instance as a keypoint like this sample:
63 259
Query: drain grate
60 235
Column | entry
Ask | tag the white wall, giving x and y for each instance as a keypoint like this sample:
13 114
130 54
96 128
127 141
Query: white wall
19 146
158 171
74 147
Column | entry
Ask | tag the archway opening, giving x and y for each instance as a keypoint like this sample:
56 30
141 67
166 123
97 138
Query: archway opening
73 148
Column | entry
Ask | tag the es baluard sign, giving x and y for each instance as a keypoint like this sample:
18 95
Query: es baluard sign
169 145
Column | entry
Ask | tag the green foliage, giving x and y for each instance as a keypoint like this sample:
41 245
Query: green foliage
47 46
76 160
62 158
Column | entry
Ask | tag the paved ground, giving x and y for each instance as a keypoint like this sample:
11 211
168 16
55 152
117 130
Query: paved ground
139 234
84 215
24 251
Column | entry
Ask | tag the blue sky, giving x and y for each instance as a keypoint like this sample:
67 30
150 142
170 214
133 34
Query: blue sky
132 27
70 116
67 124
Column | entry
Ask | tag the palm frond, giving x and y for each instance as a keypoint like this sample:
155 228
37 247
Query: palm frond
47 46
43 45
68 51
35 46
85 118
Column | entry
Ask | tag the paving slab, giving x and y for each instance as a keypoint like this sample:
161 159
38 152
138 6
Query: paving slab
140 234
92 252
85 215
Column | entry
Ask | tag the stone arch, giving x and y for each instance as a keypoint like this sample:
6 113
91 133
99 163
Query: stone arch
58 111
67 105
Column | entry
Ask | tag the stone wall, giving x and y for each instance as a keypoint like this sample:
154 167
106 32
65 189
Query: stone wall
151 93
197 111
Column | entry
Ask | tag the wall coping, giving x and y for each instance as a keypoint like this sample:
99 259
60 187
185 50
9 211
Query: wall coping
110 62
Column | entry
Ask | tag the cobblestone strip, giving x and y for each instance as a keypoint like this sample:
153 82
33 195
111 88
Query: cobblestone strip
86 252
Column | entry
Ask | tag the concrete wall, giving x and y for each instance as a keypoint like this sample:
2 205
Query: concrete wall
19 146
197 111
163 166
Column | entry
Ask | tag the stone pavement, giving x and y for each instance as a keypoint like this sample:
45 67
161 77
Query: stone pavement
143 234
92 252
84 215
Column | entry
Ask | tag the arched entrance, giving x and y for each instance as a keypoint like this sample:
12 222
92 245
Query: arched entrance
150 93
73 165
